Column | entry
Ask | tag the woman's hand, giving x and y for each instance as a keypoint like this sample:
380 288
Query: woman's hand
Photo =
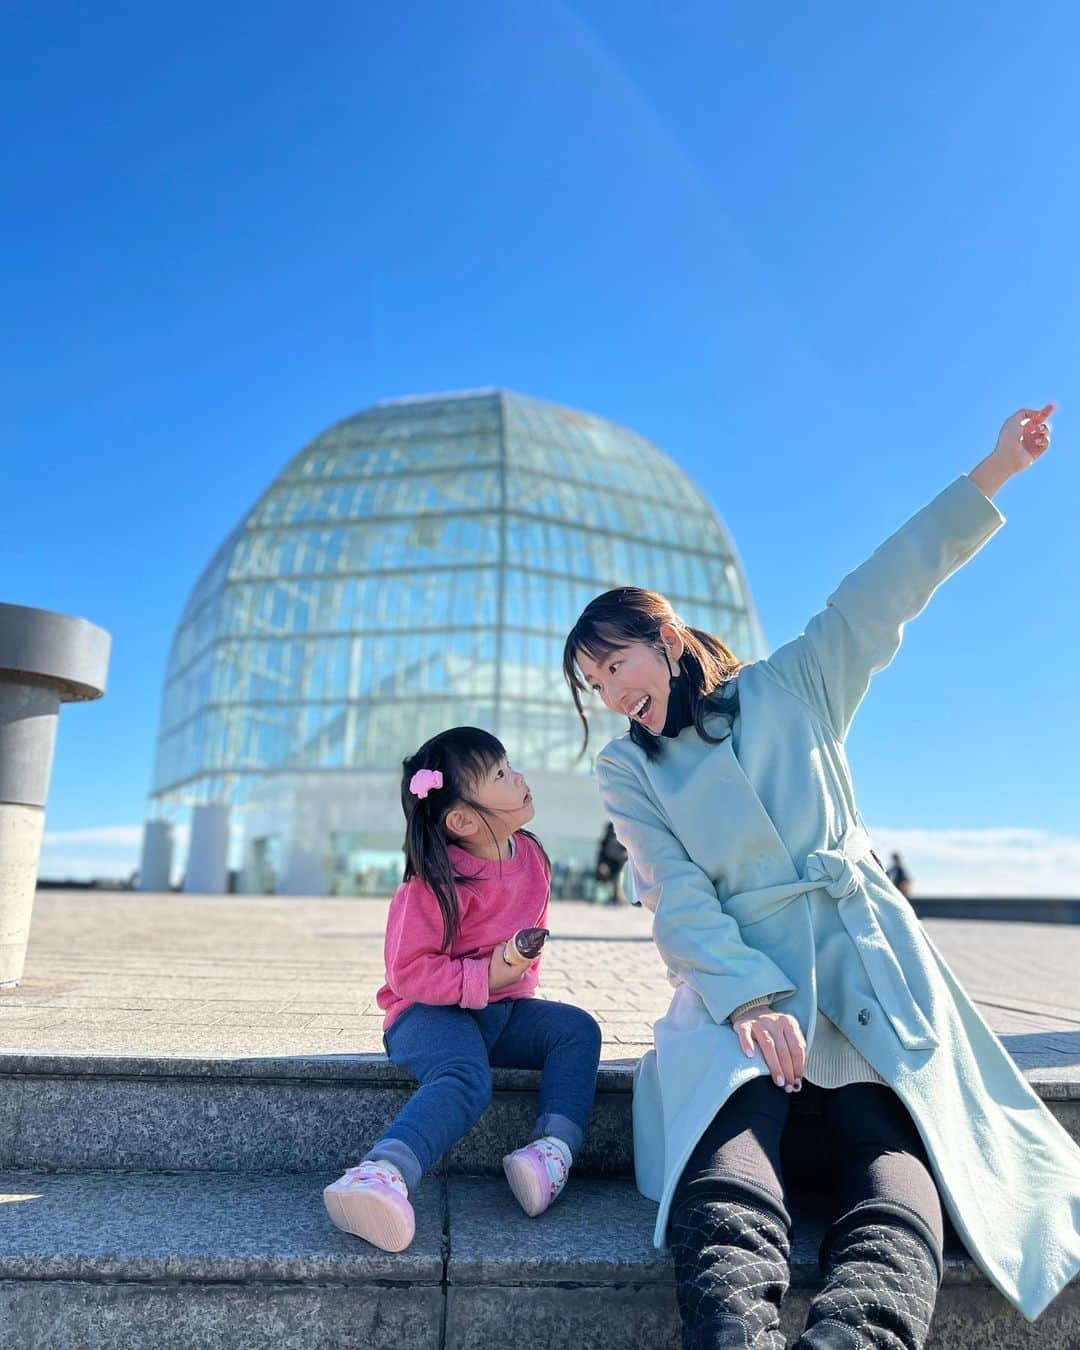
1022 439
780 1039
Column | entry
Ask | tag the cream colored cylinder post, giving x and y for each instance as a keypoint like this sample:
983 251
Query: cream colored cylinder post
208 849
28 715
155 866
45 659
20 845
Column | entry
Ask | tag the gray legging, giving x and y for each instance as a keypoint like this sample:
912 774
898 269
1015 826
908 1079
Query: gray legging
874 1146
730 1228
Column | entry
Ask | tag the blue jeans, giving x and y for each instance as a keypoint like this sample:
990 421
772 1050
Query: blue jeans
451 1052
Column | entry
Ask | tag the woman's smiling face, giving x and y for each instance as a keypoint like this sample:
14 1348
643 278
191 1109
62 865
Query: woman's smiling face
635 680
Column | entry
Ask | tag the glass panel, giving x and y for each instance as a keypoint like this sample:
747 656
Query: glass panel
362 605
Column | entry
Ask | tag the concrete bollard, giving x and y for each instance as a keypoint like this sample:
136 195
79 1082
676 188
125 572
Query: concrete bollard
208 850
155 866
45 659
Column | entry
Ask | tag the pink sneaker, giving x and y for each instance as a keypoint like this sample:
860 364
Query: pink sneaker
537 1174
372 1201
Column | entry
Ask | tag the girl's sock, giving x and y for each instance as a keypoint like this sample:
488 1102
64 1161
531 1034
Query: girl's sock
398 1155
537 1173
560 1146
393 1172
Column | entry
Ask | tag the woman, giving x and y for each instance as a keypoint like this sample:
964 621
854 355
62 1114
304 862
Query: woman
792 956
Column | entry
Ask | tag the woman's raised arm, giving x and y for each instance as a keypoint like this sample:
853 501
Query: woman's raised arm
830 665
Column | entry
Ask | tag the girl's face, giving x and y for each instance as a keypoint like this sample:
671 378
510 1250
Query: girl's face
505 796
635 680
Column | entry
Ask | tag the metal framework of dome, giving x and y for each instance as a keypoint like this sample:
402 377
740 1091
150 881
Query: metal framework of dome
417 566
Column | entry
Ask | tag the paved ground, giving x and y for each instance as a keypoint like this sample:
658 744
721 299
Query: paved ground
235 976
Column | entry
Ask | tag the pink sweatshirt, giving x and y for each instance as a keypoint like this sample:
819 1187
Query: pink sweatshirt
499 898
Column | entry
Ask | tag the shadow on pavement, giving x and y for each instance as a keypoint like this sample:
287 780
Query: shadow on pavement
1045 1049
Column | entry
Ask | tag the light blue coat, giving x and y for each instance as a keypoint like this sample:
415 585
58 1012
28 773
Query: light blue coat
757 867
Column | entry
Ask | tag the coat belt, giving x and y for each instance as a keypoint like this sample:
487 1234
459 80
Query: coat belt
835 871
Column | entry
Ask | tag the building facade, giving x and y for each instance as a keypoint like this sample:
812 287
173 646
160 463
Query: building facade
416 566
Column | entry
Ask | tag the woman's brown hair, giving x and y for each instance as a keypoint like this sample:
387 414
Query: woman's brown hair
629 614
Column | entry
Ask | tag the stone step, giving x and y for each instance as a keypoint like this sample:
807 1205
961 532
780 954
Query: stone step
292 1114
107 1260
114 1259
289 1115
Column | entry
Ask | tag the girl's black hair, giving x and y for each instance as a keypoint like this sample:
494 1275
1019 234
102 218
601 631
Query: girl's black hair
630 614
464 756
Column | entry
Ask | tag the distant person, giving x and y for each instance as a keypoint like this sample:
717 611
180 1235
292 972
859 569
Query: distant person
463 942
610 861
798 968
898 876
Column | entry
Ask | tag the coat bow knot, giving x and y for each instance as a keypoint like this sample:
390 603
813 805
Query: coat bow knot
835 869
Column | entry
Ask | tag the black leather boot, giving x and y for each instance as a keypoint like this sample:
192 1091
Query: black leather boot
731 1247
884 1267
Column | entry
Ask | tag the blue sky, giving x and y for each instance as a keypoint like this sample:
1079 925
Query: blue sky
817 254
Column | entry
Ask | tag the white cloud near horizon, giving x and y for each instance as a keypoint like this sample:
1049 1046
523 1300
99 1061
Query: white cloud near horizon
985 862
129 836
941 862
108 852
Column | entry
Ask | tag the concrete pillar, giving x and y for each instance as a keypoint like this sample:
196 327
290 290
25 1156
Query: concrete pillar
302 873
246 881
155 868
208 854
259 875
45 659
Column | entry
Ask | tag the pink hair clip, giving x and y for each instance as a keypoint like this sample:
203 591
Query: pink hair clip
424 781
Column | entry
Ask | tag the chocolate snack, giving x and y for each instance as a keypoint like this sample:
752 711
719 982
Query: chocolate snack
528 942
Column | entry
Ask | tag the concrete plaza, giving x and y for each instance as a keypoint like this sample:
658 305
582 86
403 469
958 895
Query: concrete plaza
208 976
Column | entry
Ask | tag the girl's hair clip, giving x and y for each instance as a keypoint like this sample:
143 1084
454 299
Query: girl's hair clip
424 781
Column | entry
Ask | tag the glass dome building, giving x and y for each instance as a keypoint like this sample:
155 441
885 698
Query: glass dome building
416 566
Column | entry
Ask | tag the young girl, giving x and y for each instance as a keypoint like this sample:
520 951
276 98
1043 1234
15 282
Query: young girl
463 940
